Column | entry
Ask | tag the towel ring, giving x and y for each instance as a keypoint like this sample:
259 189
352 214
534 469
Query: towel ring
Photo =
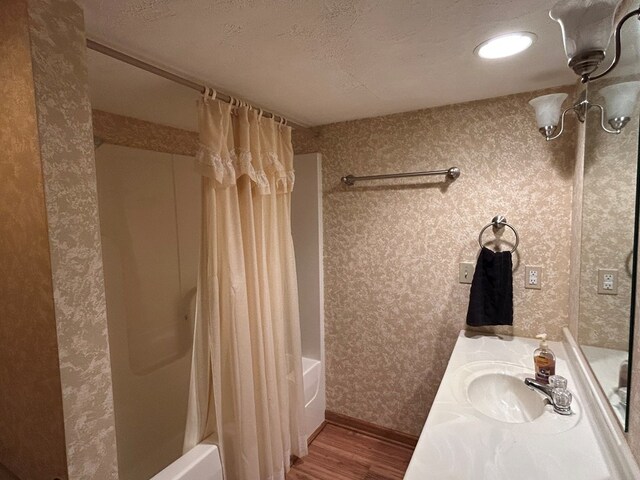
499 222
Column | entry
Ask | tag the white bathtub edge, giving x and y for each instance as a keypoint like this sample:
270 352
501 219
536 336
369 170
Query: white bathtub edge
202 462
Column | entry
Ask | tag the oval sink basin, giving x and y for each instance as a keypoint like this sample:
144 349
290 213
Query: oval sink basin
505 398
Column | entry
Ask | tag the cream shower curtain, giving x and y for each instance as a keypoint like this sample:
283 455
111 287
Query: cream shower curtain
246 376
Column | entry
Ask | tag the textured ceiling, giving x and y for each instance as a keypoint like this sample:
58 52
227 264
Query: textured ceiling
316 61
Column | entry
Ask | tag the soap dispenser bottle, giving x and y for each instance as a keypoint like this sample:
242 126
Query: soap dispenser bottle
544 360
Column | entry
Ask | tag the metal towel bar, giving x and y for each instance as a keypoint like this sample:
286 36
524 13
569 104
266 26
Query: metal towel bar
452 173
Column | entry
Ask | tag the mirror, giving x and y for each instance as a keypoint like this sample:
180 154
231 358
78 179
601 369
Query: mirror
608 249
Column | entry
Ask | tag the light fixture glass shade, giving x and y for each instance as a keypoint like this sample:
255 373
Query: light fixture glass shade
587 25
548 109
620 99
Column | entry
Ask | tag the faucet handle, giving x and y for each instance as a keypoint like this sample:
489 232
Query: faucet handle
557 381
562 400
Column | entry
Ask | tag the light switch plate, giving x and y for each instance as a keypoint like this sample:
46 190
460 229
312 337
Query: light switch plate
533 277
607 282
465 272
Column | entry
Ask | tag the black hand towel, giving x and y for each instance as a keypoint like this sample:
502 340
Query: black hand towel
491 299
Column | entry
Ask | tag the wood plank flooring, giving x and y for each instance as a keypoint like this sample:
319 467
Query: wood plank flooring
338 453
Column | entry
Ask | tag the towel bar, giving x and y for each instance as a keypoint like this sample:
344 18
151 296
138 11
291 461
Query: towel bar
451 173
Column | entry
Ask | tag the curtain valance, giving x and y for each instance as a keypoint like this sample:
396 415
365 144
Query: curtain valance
236 141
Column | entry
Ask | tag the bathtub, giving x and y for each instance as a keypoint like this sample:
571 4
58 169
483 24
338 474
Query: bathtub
314 399
203 461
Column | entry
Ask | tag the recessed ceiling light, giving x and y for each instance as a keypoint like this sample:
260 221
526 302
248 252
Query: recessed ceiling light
505 45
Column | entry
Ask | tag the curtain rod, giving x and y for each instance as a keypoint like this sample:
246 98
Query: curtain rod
123 57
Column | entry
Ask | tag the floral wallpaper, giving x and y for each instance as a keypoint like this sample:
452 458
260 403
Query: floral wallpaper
132 132
608 205
68 163
393 304
31 417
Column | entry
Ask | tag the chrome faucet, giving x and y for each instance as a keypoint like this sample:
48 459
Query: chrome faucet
556 393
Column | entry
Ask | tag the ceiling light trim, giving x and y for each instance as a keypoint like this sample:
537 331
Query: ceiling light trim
498 47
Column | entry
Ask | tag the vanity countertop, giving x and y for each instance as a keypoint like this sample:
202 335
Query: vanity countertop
605 363
458 442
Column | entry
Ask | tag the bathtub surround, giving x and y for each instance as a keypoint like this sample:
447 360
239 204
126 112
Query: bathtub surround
31 418
306 230
149 208
393 304
143 261
56 317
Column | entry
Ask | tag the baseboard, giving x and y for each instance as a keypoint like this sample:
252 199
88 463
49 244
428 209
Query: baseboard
315 433
371 429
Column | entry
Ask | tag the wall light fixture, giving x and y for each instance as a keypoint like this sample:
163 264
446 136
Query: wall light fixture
587 27
619 102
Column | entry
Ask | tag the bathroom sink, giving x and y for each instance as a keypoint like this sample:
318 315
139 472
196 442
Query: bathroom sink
485 423
505 397
497 393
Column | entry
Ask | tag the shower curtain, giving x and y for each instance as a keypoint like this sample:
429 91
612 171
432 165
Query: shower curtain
246 376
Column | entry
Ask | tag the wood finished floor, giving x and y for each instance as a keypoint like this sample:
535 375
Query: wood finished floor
338 453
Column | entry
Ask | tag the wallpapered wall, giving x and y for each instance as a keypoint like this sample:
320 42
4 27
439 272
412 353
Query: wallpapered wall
608 204
393 304
68 164
31 418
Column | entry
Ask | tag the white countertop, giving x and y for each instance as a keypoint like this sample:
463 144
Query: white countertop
605 363
458 442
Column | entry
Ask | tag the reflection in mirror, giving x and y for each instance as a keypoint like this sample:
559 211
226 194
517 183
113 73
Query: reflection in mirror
608 228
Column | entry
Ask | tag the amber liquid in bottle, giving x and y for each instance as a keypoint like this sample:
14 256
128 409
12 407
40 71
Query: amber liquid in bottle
545 362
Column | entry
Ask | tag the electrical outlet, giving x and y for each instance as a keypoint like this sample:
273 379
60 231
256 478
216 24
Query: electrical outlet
607 282
465 272
533 277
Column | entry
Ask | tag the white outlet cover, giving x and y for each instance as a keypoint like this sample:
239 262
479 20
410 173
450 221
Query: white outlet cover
607 281
533 277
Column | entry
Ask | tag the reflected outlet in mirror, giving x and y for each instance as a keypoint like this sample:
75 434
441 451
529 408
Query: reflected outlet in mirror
608 249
